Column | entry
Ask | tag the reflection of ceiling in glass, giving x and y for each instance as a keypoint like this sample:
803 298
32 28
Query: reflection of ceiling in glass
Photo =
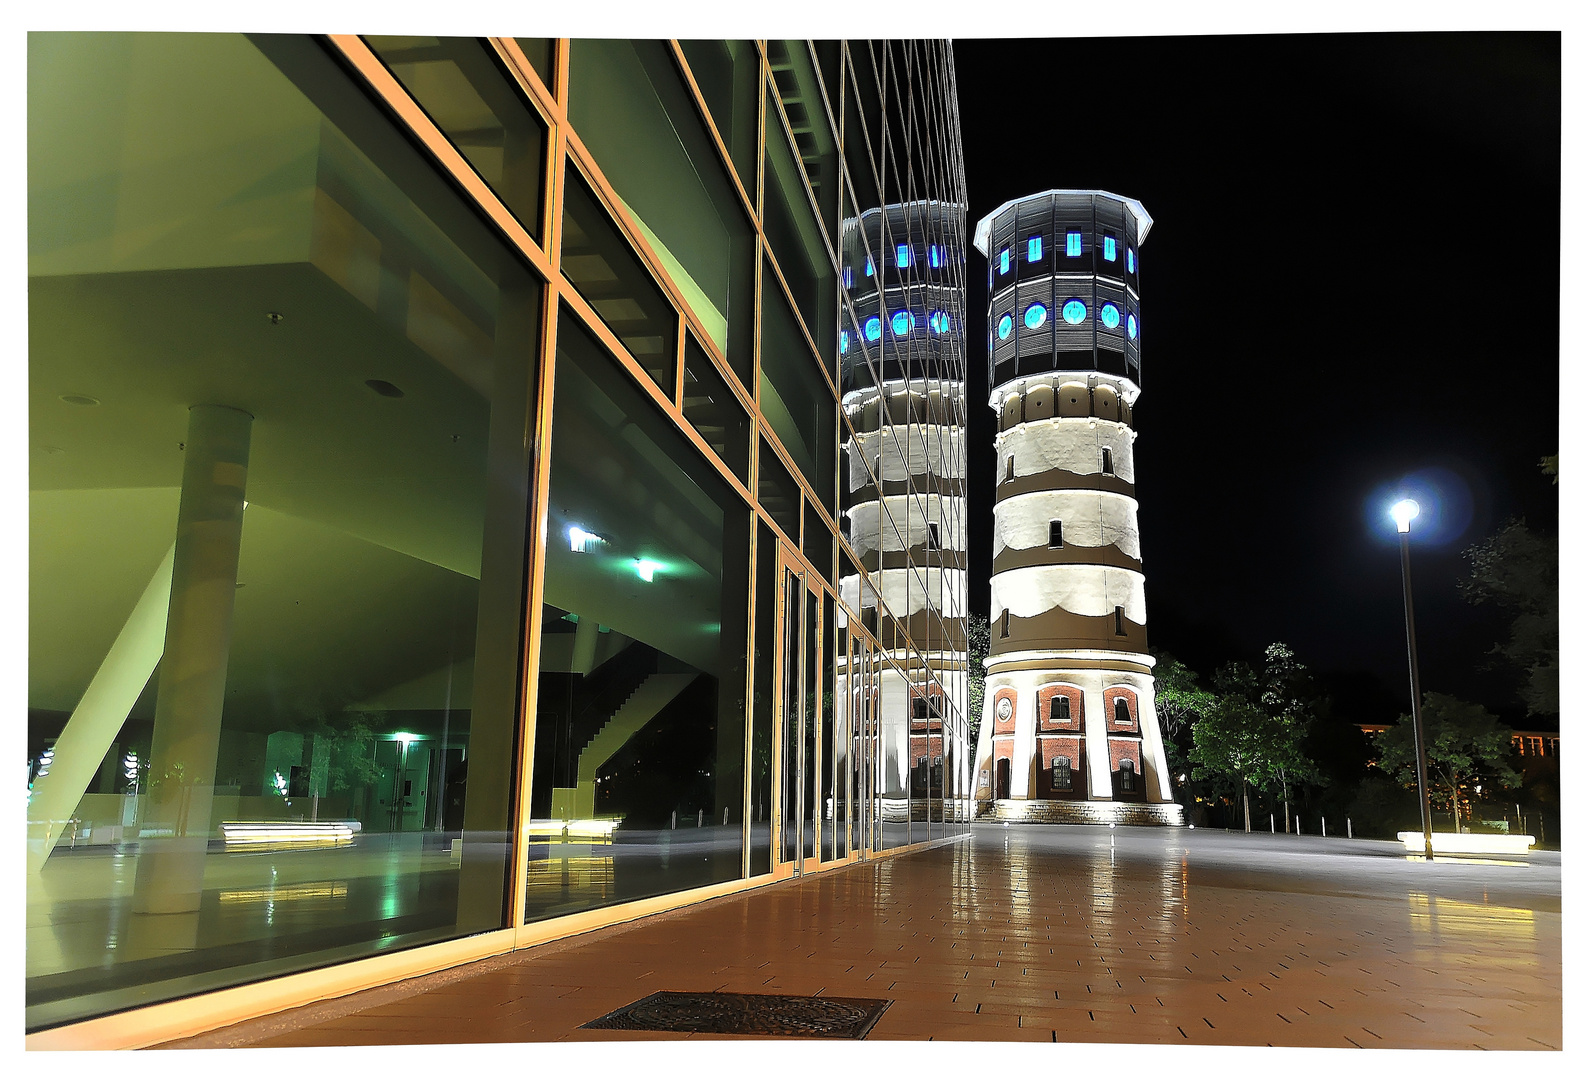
199 233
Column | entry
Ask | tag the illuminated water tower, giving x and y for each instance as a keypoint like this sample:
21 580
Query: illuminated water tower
1069 732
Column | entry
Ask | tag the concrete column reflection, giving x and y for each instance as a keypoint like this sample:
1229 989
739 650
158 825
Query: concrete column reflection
192 688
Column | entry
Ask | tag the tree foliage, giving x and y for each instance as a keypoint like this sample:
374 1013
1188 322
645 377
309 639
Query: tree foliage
1255 728
979 632
1518 571
1180 696
1466 745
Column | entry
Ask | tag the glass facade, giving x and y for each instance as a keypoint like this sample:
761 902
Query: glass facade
449 507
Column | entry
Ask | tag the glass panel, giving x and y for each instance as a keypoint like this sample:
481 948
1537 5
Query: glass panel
797 244
818 542
728 75
640 731
629 105
809 765
460 82
761 742
829 55
714 410
288 373
777 492
794 398
826 809
792 715
598 260
542 56
800 91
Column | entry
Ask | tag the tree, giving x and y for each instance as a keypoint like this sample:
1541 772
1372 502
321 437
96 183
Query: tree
1466 745
978 631
1518 570
1256 728
1180 696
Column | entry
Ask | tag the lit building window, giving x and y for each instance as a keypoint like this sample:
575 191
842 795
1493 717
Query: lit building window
1002 262
1033 249
1132 326
870 267
1075 312
1129 258
848 277
903 256
1110 316
843 341
873 328
935 256
1072 244
938 321
1061 772
903 323
1005 326
1035 315
1110 249
1127 775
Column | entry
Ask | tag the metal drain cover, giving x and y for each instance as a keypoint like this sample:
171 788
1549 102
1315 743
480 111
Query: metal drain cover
777 1015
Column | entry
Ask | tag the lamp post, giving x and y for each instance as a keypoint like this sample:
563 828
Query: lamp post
1402 512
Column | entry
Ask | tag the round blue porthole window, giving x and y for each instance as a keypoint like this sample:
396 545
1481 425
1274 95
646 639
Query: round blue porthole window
873 328
903 323
1035 315
1075 312
1131 327
938 321
1005 326
1110 316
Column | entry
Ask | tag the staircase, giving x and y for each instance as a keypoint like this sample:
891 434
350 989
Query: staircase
652 695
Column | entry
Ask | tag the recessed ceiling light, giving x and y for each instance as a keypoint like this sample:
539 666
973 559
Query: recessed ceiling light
275 317
383 388
79 399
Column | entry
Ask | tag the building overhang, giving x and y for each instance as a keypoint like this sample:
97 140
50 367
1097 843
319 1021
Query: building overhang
1143 220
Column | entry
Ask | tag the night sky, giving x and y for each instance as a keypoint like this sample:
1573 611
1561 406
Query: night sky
1352 277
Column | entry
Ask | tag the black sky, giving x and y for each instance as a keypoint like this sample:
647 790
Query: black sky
1353 275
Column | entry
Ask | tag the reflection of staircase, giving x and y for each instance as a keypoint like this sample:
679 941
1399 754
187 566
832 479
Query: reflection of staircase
653 695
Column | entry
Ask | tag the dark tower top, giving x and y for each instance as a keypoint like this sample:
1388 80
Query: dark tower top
1063 275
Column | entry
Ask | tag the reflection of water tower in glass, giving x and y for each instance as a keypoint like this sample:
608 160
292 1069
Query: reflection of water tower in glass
1069 731
902 364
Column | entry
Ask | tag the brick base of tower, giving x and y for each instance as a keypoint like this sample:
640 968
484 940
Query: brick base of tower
1073 739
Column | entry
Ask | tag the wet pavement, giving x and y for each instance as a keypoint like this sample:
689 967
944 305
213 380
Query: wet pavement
1071 934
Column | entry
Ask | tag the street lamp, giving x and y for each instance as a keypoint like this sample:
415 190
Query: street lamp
1403 512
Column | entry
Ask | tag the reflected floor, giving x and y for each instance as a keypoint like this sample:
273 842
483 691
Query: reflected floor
1050 934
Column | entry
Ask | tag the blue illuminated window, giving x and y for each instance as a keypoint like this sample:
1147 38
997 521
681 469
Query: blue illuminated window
903 323
1075 312
1110 249
1005 326
939 322
1072 245
903 256
870 267
1002 262
843 341
848 277
873 328
1110 316
935 256
1131 327
1129 258
1033 249
1035 315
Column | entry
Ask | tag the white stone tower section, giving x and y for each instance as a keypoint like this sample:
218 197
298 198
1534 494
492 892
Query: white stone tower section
1070 731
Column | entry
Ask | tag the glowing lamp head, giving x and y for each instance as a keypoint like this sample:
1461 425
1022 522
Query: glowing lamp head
646 569
1403 512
